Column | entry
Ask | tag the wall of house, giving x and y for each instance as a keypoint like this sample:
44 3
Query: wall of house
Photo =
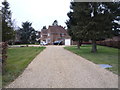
43 35
55 37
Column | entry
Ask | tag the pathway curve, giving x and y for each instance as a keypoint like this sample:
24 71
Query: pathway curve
56 67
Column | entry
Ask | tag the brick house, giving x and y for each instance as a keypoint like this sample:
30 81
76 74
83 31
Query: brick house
54 33
44 35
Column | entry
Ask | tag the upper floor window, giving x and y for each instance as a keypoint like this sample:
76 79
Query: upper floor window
48 34
62 34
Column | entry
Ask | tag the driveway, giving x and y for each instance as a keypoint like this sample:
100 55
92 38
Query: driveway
56 67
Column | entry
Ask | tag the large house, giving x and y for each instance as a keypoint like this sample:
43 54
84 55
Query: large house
55 33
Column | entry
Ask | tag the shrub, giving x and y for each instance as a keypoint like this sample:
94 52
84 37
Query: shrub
3 52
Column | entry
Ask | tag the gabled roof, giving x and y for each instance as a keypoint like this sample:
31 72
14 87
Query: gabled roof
44 31
57 29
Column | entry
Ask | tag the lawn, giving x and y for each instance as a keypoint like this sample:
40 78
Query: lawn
18 59
105 55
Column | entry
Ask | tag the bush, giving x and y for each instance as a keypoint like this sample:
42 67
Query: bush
3 56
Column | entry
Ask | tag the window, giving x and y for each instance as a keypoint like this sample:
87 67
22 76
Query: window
48 34
62 34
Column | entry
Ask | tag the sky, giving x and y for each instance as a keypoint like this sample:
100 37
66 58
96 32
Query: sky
39 12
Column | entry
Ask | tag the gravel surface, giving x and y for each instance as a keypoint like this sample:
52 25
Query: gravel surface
56 67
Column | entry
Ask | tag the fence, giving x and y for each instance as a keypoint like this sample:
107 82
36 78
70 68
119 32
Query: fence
114 42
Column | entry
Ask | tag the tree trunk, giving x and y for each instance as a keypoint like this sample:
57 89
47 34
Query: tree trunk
94 46
79 43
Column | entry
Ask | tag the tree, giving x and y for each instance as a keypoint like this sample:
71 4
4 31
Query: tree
0 26
101 23
79 17
44 27
27 33
7 29
93 21
55 23
71 22
115 10
33 36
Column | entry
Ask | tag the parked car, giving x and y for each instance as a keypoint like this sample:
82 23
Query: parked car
43 43
60 42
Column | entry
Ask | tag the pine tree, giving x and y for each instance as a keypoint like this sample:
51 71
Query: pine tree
27 33
55 23
93 21
79 17
44 27
101 24
7 30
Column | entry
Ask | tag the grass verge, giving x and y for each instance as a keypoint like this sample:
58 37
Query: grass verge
18 59
105 55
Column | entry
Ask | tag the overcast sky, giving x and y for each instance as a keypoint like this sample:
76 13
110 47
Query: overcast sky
39 12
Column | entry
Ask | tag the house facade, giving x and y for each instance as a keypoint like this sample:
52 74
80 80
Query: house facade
43 36
54 33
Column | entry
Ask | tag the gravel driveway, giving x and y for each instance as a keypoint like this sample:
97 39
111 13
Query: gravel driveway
56 67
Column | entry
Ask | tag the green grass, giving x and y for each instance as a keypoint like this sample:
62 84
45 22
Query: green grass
105 55
18 60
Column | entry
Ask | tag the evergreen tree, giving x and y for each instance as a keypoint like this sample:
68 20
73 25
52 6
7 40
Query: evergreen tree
0 26
44 27
33 36
27 33
79 17
7 30
115 10
101 24
93 21
55 23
